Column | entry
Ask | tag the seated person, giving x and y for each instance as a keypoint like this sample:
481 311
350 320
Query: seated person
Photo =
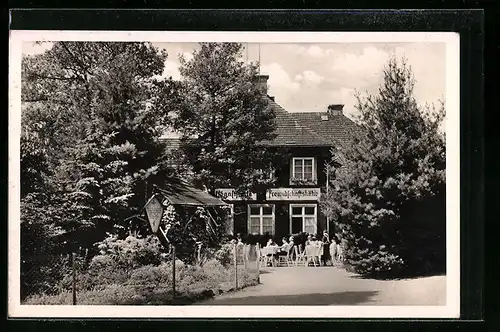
309 240
270 243
285 247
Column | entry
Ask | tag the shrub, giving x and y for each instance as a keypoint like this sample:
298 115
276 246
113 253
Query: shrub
224 255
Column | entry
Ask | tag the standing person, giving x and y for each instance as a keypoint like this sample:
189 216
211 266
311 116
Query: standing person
326 246
333 250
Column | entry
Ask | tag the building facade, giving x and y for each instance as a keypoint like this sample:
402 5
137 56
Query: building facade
292 205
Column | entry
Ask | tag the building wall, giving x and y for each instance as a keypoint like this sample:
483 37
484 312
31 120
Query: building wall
282 208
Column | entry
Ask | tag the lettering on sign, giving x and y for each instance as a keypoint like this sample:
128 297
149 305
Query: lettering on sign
154 211
228 194
293 194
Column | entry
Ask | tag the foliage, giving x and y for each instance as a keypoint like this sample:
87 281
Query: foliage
89 104
225 254
388 199
222 116
150 285
189 227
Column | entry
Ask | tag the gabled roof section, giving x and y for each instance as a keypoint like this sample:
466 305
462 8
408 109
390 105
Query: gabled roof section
337 128
291 132
180 192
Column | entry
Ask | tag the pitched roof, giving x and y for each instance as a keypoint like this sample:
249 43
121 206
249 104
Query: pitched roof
180 192
336 128
291 132
306 129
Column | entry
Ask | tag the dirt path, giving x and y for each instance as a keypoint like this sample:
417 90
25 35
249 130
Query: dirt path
334 286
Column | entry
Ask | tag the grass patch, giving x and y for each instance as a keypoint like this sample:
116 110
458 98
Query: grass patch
152 285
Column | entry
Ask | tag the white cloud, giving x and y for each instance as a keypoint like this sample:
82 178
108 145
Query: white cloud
308 77
279 80
367 64
316 51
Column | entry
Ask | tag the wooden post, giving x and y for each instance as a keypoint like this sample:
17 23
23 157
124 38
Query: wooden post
173 271
246 252
235 268
257 251
199 254
73 267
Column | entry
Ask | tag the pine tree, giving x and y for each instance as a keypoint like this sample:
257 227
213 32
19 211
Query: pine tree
388 198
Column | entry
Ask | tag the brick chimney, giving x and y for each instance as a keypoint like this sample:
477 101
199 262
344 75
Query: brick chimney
335 109
262 81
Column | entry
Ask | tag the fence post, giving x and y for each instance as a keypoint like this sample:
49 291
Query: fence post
73 267
235 268
199 253
257 251
246 252
173 271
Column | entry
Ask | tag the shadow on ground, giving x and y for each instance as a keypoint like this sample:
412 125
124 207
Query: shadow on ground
402 277
340 298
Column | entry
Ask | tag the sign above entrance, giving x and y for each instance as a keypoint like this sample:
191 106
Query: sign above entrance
229 194
293 194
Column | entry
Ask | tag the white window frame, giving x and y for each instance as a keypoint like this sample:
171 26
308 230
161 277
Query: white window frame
260 215
292 170
303 215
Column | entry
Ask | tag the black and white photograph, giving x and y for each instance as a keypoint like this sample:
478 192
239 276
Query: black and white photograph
162 174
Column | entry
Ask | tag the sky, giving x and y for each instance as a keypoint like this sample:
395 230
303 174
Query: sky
309 77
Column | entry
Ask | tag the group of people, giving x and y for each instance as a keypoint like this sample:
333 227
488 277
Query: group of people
332 251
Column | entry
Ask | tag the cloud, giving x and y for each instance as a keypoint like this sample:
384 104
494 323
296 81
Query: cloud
316 51
279 80
309 77
368 63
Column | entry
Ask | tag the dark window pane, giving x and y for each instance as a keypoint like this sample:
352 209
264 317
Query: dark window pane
308 163
296 225
297 210
268 210
310 210
255 210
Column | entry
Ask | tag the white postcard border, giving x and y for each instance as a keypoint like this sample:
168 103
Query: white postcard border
450 310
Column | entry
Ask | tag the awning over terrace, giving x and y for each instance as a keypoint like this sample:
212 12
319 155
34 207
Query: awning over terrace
179 192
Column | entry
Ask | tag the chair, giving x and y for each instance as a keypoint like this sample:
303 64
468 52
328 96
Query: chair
267 256
285 258
299 254
312 253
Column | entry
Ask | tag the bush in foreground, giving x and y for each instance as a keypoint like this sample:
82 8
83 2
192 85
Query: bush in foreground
152 285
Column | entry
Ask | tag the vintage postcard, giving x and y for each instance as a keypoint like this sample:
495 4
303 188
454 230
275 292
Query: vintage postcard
226 175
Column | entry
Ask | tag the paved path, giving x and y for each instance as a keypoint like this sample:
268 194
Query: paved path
333 286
